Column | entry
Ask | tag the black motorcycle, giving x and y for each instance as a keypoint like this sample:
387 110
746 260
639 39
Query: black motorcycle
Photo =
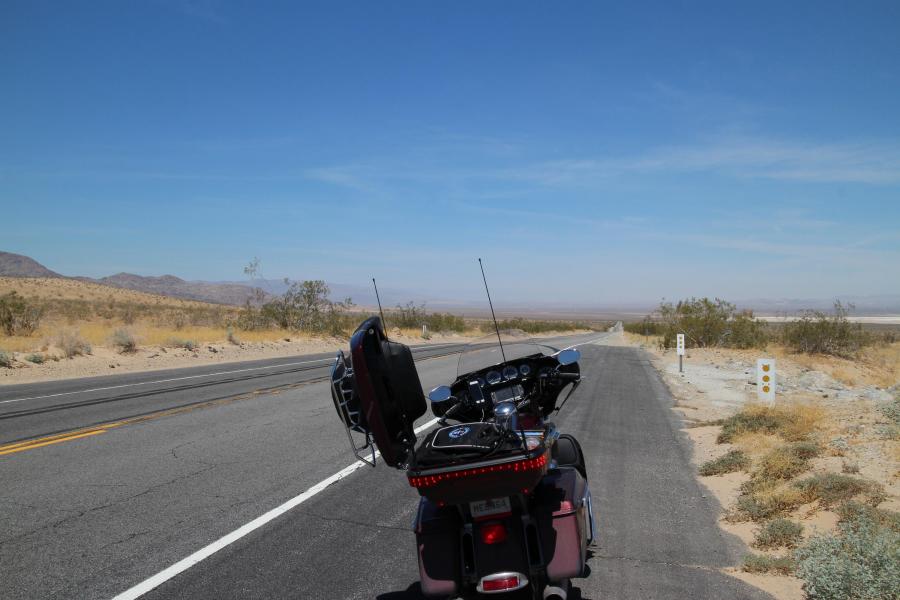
505 505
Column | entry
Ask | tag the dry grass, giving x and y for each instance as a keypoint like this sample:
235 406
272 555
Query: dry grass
877 365
792 422
68 289
756 443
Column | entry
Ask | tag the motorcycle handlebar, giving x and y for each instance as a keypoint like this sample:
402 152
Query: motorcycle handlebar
568 376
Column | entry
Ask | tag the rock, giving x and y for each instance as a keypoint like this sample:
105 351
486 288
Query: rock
211 349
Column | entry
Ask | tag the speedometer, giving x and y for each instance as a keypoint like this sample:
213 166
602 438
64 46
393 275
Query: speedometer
524 370
510 372
492 377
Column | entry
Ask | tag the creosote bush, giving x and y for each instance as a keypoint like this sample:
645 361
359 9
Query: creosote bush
819 333
735 460
182 343
72 344
859 562
412 316
646 326
37 359
124 341
19 316
6 360
778 533
706 323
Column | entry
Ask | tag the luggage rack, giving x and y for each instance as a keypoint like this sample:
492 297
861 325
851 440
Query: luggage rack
348 407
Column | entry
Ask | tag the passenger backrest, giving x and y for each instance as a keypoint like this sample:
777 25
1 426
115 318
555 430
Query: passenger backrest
389 390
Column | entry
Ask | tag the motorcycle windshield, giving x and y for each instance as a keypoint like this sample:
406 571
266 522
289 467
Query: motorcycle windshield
485 352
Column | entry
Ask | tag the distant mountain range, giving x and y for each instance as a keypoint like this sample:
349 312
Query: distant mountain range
16 265
238 292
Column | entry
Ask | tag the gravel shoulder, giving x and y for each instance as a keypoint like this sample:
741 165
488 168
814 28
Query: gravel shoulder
853 429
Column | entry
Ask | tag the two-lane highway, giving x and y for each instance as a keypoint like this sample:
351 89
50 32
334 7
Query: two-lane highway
96 516
33 410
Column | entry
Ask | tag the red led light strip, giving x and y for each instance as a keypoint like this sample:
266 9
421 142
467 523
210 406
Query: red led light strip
423 481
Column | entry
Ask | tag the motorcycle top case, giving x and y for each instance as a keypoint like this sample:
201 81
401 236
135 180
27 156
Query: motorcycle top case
389 390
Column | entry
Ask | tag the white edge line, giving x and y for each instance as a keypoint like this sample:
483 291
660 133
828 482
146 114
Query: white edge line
125 385
186 563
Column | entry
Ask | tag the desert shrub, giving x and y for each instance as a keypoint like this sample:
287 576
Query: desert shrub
754 419
252 318
534 325
761 502
891 410
6 360
645 326
706 323
852 510
183 343
833 488
305 306
179 320
19 316
72 344
861 561
124 341
760 563
231 337
786 462
778 533
37 359
819 333
735 460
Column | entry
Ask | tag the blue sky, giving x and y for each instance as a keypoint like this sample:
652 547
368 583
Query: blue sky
589 152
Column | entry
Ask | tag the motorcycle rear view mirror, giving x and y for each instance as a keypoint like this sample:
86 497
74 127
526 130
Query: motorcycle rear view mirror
568 356
440 394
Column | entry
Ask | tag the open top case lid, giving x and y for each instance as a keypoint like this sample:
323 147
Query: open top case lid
390 393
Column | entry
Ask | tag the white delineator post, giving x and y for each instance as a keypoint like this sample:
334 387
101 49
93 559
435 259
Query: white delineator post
765 380
679 347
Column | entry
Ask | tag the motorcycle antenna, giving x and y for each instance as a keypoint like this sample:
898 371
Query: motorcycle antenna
493 316
381 312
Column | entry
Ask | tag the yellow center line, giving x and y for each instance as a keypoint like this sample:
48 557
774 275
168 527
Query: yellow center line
48 442
97 429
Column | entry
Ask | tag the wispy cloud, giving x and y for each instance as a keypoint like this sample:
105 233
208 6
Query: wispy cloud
876 162
851 162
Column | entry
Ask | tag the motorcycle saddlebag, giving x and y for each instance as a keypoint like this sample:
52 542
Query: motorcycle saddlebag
389 390
437 540
563 522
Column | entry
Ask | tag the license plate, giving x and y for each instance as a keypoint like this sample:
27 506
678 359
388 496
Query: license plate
490 508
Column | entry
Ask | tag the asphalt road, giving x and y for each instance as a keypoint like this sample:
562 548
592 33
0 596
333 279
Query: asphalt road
92 516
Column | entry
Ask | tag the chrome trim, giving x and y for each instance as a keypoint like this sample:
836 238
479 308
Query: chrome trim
350 419
523 581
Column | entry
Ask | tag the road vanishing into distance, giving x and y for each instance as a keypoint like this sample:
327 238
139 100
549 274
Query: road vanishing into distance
108 484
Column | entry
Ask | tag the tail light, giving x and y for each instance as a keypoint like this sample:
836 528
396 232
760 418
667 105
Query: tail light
519 466
493 532
502 582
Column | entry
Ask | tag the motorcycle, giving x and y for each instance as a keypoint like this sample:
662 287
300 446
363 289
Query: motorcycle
504 500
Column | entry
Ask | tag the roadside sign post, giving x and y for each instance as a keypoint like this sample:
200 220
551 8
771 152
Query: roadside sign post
765 380
679 347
